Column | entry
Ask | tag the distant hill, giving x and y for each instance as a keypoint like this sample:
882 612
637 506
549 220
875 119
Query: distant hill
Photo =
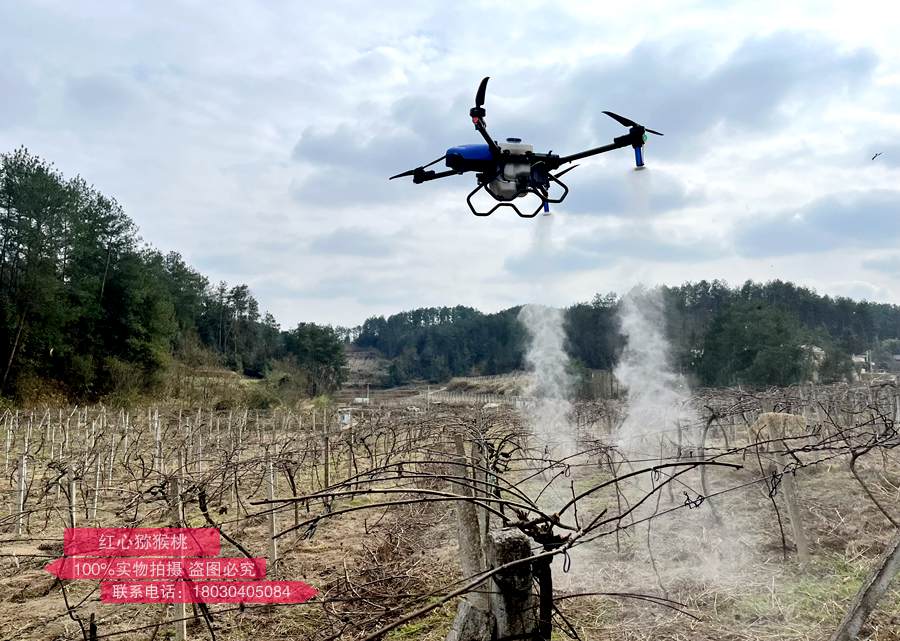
718 335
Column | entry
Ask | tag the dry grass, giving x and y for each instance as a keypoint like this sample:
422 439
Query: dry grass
501 385
731 576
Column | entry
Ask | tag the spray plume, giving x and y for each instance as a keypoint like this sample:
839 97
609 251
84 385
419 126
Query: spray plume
550 385
657 396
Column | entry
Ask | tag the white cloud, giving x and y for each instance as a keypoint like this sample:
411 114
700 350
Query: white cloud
256 139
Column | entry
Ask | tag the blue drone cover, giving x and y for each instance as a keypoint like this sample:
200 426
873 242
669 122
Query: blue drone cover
471 152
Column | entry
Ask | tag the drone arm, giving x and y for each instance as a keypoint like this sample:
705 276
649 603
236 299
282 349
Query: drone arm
617 143
479 125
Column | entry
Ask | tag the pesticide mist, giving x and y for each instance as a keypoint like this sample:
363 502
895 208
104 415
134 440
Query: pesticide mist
660 425
657 412
549 385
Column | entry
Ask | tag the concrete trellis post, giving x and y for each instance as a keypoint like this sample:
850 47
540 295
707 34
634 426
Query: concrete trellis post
97 474
327 450
20 492
513 603
71 481
236 489
125 439
790 495
51 432
112 462
473 617
178 518
199 448
158 459
273 526
9 435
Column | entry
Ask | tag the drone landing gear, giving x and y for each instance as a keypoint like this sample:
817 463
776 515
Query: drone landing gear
540 192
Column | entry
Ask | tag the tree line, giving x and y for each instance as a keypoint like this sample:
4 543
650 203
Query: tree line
87 309
773 333
435 343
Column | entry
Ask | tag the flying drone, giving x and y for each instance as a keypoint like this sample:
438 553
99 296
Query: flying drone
510 170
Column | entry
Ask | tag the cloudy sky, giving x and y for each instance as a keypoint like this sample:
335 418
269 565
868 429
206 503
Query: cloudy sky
256 139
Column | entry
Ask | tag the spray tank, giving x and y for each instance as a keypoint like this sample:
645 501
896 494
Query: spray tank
514 177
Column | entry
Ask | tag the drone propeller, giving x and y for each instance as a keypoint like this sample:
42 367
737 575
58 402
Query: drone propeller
637 135
565 171
479 95
411 172
477 112
417 170
622 120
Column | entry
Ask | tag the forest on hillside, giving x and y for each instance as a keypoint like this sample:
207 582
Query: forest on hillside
88 310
